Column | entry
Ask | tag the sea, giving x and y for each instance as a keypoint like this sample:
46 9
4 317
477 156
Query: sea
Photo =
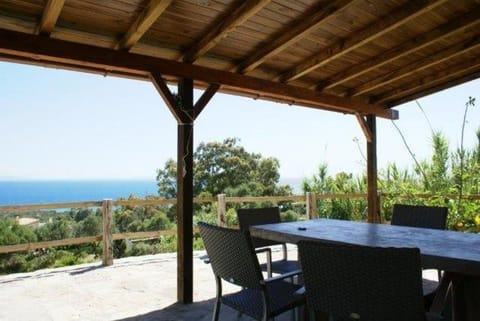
25 192
16 192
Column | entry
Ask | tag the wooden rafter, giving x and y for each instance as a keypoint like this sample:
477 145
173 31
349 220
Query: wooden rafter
455 27
411 10
291 34
456 71
417 65
144 21
434 89
88 57
219 31
50 16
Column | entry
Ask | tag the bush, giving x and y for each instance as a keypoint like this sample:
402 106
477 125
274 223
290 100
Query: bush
16 263
66 258
289 216
140 248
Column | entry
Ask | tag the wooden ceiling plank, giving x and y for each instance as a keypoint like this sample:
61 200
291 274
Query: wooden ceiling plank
411 10
421 64
434 89
144 21
291 34
63 52
456 71
221 30
205 99
454 27
50 16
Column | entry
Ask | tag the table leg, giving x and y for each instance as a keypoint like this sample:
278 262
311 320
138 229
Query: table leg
466 298
441 295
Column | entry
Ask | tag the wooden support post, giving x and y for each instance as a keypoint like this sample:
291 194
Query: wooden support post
311 205
185 194
221 210
185 112
372 200
379 206
107 238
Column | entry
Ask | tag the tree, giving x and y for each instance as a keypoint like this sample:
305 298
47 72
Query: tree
91 225
59 229
226 167
167 179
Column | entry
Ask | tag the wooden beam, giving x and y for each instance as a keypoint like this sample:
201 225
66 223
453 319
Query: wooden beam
168 97
366 130
421 41
50 16
205 99
456 71
48 50
419 64
435 89
291 34
185 197
144 21
391 21
242 13
372 175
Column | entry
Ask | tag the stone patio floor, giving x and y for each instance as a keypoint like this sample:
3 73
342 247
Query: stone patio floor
135 288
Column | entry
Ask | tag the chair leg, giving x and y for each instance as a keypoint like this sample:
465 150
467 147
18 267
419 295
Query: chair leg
216 308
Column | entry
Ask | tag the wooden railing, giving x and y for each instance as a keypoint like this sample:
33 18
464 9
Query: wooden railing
107 205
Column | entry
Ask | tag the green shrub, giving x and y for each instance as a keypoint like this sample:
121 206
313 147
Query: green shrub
66 258
289 216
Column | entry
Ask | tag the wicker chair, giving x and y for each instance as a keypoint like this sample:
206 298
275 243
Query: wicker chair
233 259
267 215
420 216
363 283
425 217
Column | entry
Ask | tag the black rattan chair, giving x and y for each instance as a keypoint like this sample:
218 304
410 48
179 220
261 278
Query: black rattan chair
420 216
233 259
433 217
266 215
363 283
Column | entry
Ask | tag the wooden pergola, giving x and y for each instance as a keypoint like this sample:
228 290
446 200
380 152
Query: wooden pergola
358 57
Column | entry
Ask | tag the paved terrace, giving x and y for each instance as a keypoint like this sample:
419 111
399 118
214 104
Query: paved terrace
136 288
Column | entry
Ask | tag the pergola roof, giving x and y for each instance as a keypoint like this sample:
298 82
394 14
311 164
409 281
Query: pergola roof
351 56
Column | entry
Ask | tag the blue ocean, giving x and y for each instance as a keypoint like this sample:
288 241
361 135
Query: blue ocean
38 192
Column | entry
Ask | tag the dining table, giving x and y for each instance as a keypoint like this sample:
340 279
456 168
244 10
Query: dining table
456 253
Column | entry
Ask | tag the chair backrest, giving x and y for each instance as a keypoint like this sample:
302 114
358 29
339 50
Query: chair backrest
365 283
258 216
231 255
420 216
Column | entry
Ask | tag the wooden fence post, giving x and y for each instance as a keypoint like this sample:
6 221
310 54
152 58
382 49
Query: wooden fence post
221 210
107 238
311 205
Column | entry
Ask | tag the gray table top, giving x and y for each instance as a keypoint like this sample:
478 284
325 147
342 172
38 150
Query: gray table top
446 250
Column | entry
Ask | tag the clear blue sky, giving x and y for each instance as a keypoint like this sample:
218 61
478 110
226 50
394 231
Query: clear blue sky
57 124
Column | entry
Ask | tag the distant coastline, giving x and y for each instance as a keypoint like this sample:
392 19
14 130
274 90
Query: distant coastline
24 192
